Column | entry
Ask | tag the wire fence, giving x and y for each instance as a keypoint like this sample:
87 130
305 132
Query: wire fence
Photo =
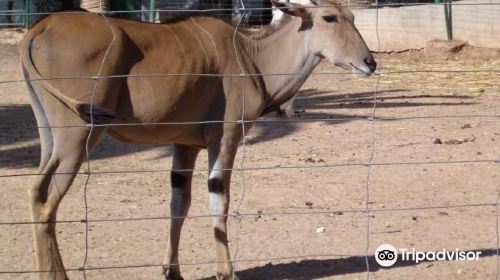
242 167
257 12
11 13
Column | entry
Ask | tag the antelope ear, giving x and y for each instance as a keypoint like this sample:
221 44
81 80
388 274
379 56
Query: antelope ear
315 2
292 9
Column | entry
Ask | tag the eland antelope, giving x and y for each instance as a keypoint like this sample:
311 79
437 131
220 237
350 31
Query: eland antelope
219 79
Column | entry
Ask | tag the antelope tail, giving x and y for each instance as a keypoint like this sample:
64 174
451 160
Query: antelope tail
88 112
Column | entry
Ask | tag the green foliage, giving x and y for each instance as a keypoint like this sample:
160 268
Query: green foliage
49 5
45 6
126 5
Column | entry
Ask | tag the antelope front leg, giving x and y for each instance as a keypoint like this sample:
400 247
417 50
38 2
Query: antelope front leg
219 205
184 159
221 159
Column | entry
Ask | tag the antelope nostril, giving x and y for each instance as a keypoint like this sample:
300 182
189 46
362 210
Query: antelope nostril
372 64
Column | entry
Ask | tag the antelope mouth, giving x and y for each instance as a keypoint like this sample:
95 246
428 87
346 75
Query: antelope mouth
343 66
361 71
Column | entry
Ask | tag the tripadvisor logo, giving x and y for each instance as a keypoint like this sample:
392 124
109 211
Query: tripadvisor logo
387 255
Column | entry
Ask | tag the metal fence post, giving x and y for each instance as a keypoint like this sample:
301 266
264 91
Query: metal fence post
26 17
448 19
152 10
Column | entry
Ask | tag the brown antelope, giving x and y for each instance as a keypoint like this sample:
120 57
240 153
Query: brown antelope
74 45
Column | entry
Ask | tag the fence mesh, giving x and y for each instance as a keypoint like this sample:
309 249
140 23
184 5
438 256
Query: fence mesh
243 168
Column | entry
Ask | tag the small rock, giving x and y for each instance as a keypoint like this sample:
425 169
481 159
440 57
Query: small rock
320 230
465 126
437 141
453 142
259 212
414 218
458 142
309 204
311 160
443 213
459 271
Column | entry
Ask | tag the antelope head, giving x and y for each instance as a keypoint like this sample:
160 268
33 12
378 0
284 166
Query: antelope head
333 34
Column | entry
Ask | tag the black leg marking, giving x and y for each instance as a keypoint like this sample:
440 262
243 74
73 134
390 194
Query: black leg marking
220 235
215 185
178 180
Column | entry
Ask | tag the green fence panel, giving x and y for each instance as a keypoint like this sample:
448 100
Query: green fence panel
126 5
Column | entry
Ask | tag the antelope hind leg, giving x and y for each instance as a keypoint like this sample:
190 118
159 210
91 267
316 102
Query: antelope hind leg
183 162
48 191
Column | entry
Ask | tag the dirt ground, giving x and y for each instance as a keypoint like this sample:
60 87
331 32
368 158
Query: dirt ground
433 125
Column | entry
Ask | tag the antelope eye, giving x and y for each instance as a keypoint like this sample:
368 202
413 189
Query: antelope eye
330 18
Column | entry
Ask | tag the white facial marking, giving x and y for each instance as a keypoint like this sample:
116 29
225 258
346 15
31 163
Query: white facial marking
277 17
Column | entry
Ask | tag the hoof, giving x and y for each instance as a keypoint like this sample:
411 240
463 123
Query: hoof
226 277
171 275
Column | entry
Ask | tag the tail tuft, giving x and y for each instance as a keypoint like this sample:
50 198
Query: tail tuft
99 115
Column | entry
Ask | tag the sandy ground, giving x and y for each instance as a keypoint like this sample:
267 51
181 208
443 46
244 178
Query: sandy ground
413 170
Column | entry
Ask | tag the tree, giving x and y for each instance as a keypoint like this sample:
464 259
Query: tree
47 6
51 5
